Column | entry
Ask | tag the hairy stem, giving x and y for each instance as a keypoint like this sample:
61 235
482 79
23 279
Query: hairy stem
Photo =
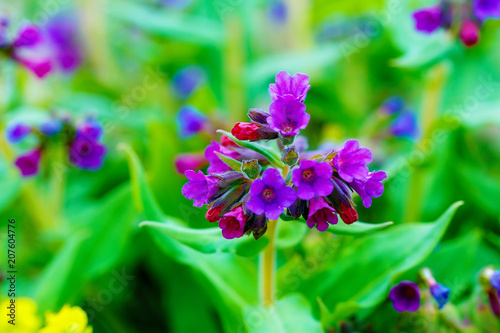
267 270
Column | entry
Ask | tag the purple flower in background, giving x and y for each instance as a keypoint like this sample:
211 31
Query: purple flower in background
233 223
278 12
51 127
16 132
405 297
62 33
28 164
440 293
216 164
296 86
288 116
87 153
28 36
198 187
184 162
270 195
371 188
428 20
350 162
320 214
186 80
190 121
27 39
312 178
495 280
90 128
176 3
485 9
393 105
405 125
469 33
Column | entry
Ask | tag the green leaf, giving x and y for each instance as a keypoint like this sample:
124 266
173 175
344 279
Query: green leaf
208 240
381 257
268 153
289 315
231 162
341 228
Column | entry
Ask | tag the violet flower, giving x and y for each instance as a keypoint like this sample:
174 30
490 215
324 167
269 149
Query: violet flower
27 39
187 80
312 178
190 121
321 214
16 132
216 164
184 162
288 115
62 33
405 297
270 195
198 187
278 12
233 223
495 280
350 162
296 86
440 293
86 153
51 127
371 188
28 163
485 9
405 125
90 128
393 105
427 20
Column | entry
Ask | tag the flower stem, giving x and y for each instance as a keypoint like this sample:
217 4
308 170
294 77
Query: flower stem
267 270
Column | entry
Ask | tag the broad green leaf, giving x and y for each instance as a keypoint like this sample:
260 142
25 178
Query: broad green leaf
289 315
290 233
209 240
381 257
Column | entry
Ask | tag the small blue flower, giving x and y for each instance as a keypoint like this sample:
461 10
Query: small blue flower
405 125
441 294
495 280
16 132
51 127
278 12
393 105
90 128
187 80
190 121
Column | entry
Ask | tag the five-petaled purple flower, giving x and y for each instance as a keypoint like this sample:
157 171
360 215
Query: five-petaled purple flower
90 128
485 9
270 195
288 115
350 162
16 132
296 86
320 214
28 163
405 297
429 19
190 121
87 153
233 223
198 188
312 178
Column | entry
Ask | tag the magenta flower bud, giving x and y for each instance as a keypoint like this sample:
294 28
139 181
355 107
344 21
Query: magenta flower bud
350 162
270 195
28 163
469 33
295 86
233 223
428 20
405 297
312 178
87 154
348 214
320 214
184 162
288 116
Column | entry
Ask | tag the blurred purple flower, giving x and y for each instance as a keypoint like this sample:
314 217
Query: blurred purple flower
312 178
320 214
469 33
440 293
485 9
405 125
27 39
288 116
176 3
270 195
62 33
495 280
278 12
190 121
350 162
405 297
184 162
51 127
233 223
89 128
16 132
428 20
186 80
296 86
371 188
87 153
28 163
393 105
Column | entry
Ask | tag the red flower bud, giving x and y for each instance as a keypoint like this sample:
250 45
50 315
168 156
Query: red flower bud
246 131
214 213
348 214
227 142
469 33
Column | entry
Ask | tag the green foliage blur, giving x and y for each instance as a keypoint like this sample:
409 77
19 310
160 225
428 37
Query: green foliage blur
79 236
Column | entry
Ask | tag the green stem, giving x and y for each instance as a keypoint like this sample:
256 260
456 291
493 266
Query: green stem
267 278
431 103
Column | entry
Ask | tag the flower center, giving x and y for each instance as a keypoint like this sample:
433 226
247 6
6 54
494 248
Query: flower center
85 148
307 175
268 194
409 292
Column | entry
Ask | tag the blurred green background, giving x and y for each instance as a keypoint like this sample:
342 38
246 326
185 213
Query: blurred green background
78 231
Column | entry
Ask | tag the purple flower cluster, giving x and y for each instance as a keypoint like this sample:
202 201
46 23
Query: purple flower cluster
43 49
467 17
248 184
83 141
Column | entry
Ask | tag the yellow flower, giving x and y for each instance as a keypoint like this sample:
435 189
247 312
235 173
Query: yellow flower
26 320
68 320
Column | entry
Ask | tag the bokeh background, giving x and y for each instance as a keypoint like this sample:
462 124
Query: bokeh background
78 236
